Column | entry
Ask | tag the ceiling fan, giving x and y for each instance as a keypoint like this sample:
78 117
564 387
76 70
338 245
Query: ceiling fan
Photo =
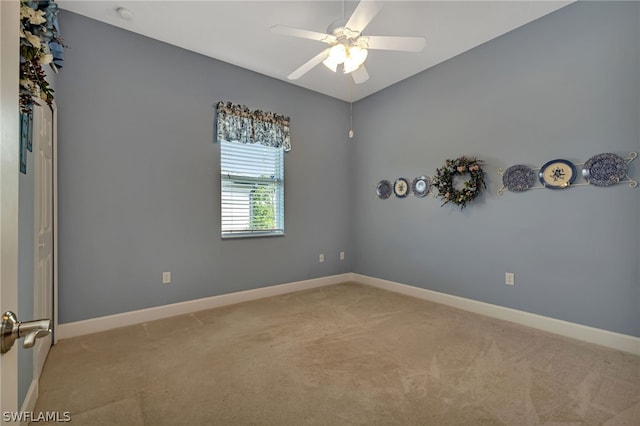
347 46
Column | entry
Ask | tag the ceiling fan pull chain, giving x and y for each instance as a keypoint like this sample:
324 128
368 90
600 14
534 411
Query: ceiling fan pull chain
350 107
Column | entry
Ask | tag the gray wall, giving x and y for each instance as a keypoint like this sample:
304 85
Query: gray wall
565 86
139 188
139 184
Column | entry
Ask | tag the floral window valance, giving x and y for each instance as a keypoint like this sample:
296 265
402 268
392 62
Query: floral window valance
238 124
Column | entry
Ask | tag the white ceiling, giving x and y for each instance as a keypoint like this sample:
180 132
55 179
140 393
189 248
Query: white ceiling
238 32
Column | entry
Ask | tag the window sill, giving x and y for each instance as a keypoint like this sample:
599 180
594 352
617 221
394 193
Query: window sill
236 235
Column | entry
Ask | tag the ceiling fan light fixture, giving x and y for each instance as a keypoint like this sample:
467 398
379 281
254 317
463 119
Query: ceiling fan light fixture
356 57
358 54
330 63
350 66
338 53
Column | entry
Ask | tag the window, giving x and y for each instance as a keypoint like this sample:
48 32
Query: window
252 146
252 189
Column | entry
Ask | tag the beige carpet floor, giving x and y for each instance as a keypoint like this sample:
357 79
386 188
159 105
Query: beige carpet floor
346 354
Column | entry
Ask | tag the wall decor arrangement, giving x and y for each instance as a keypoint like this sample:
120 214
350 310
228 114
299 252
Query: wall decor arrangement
420 187
447 181
604 169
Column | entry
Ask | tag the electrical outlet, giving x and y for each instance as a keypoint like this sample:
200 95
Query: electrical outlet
341 255
509 278
321 258
166 278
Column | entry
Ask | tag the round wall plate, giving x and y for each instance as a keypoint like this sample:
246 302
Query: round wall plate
420 186
383 189
401 187
604 169
557 174
518 178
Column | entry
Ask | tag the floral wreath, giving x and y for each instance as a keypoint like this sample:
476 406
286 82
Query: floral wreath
443 180
38 29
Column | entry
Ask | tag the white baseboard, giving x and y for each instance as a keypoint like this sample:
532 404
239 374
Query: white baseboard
598 336
94 325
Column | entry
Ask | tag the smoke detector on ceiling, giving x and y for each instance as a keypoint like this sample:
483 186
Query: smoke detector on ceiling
124 13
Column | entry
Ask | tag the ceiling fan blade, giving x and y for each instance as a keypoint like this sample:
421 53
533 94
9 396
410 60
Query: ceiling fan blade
360 75
364 13
307 66
297 32
407 44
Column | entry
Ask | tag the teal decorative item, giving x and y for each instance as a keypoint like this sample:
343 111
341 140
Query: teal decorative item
25 137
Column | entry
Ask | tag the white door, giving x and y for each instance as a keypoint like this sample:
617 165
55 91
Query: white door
43 218
9 157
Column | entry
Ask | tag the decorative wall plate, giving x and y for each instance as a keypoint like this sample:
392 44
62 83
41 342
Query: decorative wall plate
604 169
384 189
557 174
420 186
401 187
518 178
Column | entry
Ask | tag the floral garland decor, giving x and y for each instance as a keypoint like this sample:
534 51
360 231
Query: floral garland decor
37 30
443 180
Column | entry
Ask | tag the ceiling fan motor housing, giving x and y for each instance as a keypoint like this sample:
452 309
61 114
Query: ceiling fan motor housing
336 26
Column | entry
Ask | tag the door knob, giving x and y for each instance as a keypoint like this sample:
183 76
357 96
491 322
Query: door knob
11 330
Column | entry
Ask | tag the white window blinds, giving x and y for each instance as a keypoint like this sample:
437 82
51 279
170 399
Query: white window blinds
252 189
